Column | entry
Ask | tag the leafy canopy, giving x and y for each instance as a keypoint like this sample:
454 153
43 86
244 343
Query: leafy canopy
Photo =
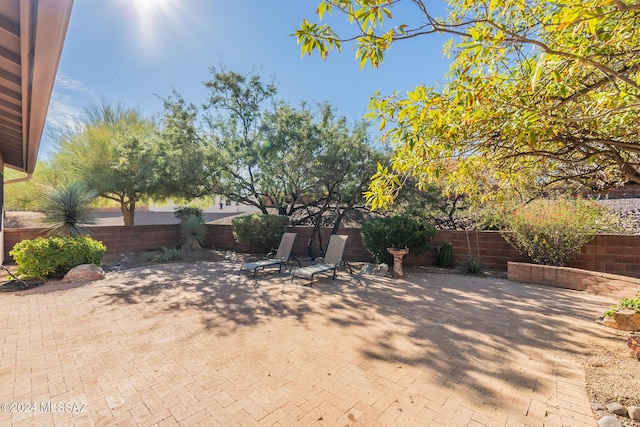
118 153
539 92
264 152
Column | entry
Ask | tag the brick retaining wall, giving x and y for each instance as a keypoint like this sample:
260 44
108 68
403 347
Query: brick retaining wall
615 254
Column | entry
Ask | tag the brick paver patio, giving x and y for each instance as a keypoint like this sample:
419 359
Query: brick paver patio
189 344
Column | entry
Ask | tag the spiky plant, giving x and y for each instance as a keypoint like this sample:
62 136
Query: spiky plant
193 232
66 207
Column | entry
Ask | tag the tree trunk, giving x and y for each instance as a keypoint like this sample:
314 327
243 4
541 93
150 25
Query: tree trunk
316 233
128 212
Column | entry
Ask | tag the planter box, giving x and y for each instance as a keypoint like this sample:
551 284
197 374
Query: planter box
610 285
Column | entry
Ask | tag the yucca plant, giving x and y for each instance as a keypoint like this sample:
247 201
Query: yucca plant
66 207
193 232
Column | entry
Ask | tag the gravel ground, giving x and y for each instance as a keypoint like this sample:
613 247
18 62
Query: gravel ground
612 374
628 209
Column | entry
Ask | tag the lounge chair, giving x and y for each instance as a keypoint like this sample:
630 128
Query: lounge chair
332 260
282 256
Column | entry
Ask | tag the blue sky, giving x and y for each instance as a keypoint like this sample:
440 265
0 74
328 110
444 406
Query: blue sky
130 51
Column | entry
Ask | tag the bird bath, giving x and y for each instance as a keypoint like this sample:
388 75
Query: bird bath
397 254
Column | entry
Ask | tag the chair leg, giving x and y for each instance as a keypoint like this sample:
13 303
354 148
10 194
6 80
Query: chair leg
297 260
348 266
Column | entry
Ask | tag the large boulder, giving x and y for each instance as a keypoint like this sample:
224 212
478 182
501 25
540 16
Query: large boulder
624 320
84 273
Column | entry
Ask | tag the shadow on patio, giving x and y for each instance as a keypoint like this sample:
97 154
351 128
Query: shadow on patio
495 339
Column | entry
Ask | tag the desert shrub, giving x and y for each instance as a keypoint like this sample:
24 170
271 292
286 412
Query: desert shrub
472 265
552 232
54 256
629 303
262 230
193 232
378 234
183 212
66 207
164 255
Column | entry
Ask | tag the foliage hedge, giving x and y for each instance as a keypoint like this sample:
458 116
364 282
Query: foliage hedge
552 232
262 230
378 234
54 256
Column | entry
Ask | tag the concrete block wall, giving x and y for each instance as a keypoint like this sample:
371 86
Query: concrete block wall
615 254
117 238
611 253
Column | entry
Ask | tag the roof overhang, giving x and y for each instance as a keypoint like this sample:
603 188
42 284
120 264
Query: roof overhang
32 34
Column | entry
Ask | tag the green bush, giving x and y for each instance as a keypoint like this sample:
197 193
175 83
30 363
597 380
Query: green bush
631 304
262 230
552 232
183 212
378 234
54 256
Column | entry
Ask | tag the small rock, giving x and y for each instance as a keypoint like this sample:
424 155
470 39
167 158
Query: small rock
366 269
597 407
634 413
84 272
616 408
602 413
609 421
380 270
112 268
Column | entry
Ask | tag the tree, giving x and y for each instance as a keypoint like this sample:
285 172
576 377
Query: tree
233 116
323 166
304 163
540 92
116 152
24 193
